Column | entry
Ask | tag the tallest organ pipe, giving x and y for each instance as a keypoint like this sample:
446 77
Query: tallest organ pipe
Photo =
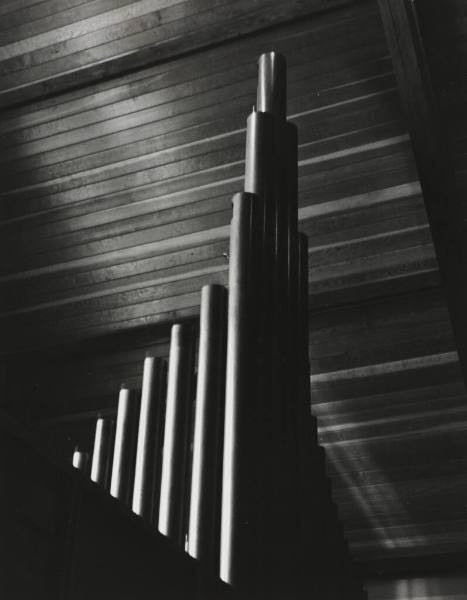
256 369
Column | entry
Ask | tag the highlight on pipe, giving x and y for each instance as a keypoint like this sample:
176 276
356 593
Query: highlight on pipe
97 456
272 85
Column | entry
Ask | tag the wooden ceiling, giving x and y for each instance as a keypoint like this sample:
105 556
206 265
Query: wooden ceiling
123 135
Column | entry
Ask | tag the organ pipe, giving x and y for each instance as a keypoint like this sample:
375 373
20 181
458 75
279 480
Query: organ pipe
257 347
80 460
102 452
255 506
173 494
239 505
146 488
121 484
204 522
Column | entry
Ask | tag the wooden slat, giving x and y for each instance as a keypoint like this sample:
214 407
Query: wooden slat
99 200
443 582
211 23
432 154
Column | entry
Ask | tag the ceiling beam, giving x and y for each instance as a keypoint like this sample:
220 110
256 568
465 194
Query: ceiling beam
433 158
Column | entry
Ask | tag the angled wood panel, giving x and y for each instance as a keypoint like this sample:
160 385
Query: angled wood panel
124 188
48 46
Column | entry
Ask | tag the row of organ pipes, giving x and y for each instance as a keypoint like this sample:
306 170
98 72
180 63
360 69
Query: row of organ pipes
244 488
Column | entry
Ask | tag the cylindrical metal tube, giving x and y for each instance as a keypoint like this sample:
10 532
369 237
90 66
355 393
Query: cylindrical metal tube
159 438
259 174
148 453
239 526
272 84
204 523
121 484
102 453
174 463
80 460
260 180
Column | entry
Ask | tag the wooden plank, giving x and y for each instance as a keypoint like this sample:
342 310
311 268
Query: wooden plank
432 155
34 40
383 575
89 284
51 14
156 108
444 467
357 63
392 452
125 35
394 376
437 538
96 225
53 195
44 165
10 6
290 37
256 20
420 421
431 394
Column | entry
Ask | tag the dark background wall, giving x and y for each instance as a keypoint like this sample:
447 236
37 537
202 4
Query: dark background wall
123 135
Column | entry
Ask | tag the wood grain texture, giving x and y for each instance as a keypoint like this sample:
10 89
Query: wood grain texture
430 587
47 50
433 157
126 186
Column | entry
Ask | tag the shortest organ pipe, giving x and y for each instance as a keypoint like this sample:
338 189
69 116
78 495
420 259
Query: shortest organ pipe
149 432
80 460
102 453
174 463
121 484
204 520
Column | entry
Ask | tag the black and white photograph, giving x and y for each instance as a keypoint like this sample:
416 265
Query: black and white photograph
233 300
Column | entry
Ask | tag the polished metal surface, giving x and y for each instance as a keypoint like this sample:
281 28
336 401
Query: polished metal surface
148 453
121 484
237 493
205 496
102 452
272 85
80 460
174 465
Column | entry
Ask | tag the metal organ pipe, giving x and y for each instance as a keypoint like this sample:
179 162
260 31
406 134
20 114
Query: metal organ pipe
204 521
174 463
239 504
80 460
102 453
121 484
258 357
257 508
146 488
